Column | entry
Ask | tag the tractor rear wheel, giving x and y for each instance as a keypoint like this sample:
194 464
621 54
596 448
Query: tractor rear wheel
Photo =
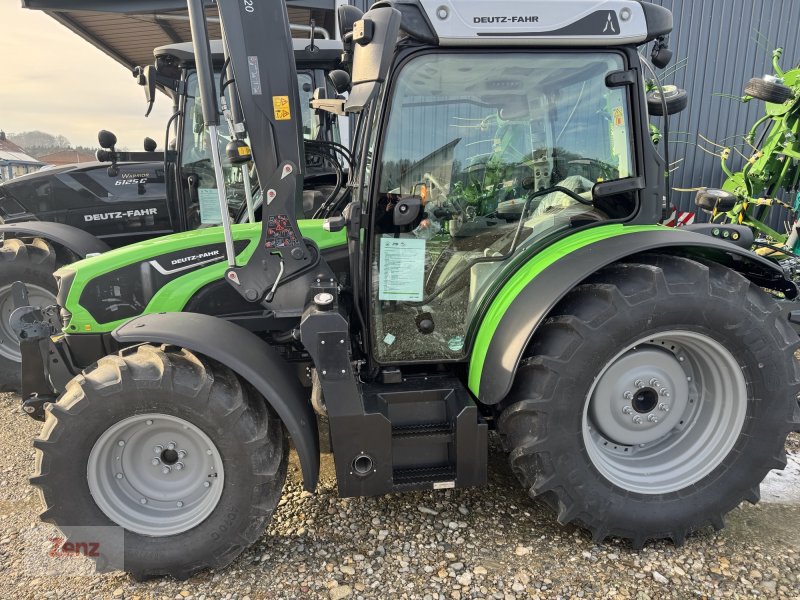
654 400
33 263
174 451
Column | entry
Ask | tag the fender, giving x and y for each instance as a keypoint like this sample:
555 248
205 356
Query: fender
73 239
250 357
519 307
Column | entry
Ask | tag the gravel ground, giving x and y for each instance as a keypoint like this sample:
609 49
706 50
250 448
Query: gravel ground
486 543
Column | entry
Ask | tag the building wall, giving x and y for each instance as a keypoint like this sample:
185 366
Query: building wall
12 170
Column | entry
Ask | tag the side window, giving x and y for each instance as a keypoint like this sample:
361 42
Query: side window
197 167
470 139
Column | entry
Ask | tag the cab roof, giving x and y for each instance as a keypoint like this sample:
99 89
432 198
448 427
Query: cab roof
533 22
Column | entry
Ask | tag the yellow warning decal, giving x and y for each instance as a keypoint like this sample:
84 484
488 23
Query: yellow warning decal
619 117
280 104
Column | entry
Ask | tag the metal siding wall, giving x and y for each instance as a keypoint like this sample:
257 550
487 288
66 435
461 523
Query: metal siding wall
717 38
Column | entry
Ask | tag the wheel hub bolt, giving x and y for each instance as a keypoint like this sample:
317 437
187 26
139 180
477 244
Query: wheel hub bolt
627 410
655 382
179 504
165 469
206 484
637 419
121 442
638 383
171 446
181 453
179 466
119 475
663 407
143 501
652 419
158 449
665 393
627 396
155 462
149 421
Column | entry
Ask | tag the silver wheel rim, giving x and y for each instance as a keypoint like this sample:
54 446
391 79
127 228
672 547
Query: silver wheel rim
155 474
665 412
9 342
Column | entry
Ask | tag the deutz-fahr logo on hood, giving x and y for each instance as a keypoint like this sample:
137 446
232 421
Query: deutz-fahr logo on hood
121 214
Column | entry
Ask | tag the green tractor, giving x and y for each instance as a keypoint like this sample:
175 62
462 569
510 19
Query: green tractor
498 267
770 178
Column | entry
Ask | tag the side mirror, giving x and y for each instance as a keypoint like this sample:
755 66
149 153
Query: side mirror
147 78
341 80
150 145
407 210
106 139
372 54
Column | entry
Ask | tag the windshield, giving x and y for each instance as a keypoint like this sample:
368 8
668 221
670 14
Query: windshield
473 137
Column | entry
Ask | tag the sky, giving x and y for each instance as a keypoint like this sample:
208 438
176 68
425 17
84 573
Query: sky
51 81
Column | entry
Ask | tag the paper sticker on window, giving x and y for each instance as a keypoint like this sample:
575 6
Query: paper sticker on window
619 117
402 269
280 105
209 206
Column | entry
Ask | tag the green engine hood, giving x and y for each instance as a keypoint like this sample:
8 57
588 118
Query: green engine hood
200 254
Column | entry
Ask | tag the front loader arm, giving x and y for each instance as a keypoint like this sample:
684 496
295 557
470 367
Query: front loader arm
254 36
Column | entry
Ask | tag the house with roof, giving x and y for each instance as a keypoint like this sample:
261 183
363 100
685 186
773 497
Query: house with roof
14 161
60 158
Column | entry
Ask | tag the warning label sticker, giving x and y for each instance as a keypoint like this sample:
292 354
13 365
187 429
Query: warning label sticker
255 75
619 117
280 105
280 233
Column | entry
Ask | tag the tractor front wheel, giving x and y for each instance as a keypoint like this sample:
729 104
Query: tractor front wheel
172 451
33 263
654 400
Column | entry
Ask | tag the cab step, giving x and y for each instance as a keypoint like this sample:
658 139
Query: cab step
438 437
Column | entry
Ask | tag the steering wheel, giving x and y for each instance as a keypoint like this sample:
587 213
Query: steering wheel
457 281
557 188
